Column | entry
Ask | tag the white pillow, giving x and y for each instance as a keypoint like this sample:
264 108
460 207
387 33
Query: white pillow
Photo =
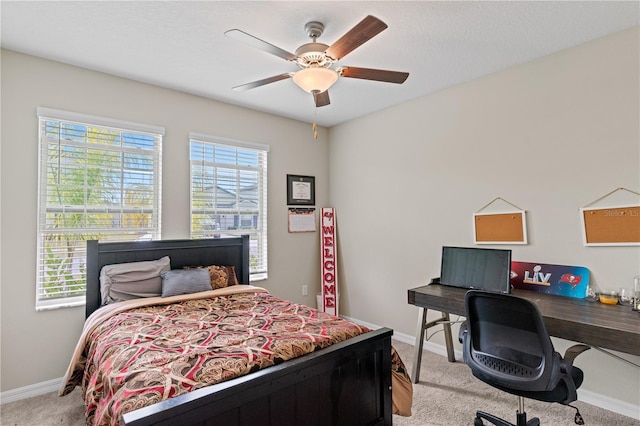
133 280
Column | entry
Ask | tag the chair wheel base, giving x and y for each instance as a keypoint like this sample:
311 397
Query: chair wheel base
494 420
497 421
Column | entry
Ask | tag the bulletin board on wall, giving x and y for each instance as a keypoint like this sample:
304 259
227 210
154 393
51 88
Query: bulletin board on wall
614 225
502 227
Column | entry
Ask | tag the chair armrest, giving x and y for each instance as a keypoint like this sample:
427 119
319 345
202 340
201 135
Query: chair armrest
570 355
574 351
462 332
566 369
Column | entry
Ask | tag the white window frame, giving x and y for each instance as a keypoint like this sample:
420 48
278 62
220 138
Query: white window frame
144 162
258 236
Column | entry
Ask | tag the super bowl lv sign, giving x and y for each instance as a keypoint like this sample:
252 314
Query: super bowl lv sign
329 258
562 280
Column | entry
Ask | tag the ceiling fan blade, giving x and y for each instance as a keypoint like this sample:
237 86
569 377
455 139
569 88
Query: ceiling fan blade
260 44
262 82
374 74
368 28
321 98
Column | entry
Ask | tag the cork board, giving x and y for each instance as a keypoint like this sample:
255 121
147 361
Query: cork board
500 228
612 226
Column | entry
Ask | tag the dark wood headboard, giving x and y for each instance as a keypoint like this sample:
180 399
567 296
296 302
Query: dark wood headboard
221 251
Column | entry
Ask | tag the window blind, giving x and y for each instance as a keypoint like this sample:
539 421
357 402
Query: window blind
229 194
99 179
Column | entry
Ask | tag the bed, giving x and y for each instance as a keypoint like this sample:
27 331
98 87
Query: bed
348 382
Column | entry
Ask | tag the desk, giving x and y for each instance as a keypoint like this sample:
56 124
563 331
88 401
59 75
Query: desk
614 327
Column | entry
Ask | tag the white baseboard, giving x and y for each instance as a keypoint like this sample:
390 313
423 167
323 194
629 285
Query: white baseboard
30 391
610 404
586 396
593 398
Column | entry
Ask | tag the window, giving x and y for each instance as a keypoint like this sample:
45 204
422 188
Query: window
99 179
229 194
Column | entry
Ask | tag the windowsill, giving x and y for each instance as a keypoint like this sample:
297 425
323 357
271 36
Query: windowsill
258 277
50 305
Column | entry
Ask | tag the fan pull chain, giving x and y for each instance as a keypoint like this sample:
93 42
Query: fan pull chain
314 127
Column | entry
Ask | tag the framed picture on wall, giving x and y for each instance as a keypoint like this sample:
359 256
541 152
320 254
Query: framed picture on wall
301 190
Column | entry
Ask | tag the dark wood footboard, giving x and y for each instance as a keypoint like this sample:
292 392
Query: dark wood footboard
348 383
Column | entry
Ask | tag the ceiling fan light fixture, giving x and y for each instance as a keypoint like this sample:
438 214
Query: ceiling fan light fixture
315 79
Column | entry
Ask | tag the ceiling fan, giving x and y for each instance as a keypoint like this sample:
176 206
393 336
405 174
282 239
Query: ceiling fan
316 59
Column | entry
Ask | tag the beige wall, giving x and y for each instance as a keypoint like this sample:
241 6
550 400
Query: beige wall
549 136
36 346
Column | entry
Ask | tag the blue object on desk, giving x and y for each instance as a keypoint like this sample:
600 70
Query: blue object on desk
561 280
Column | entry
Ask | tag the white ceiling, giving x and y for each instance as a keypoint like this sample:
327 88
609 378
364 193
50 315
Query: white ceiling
181 44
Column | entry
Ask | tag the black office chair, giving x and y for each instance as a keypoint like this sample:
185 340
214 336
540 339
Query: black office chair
506 344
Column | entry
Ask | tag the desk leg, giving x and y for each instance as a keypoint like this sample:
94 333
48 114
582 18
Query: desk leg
417 354
448 339
422 328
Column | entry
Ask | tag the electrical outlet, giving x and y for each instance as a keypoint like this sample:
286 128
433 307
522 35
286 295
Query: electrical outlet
305 290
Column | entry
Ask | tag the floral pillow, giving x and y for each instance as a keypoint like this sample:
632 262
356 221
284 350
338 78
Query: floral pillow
218 276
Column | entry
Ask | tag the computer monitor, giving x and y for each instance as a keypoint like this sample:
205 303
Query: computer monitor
476 268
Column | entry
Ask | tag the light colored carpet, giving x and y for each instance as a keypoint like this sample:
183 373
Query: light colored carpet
447 395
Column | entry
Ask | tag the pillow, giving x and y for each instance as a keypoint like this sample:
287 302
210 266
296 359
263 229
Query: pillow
184 281
231 272
125 281
220 276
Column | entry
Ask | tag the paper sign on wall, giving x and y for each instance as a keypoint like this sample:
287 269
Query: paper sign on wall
302 220
329 262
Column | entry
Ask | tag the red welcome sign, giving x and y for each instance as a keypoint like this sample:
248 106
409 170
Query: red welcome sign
329 261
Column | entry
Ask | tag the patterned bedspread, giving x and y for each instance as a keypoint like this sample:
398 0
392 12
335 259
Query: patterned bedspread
131 358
